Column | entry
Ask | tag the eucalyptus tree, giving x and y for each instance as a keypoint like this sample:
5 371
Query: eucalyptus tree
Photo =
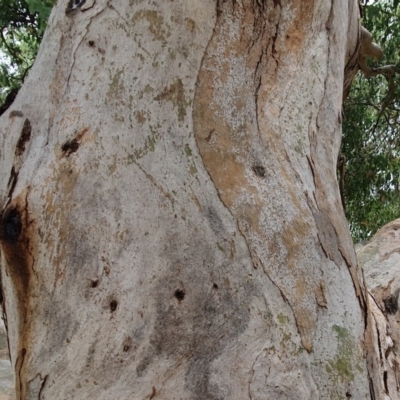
171 221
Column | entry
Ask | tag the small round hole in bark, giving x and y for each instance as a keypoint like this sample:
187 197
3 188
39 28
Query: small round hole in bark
69 147
127 344
91 43
113 305
215 286
391 303
179 294
94 283
259 170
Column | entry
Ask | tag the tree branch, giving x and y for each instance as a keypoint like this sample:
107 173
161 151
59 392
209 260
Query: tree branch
369 49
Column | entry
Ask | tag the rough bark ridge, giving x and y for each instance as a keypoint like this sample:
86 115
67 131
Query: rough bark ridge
171 224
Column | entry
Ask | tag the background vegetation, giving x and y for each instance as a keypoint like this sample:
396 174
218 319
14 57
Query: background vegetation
371 141
369 163
22 24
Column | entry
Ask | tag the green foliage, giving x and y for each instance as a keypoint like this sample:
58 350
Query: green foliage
22 24
371 136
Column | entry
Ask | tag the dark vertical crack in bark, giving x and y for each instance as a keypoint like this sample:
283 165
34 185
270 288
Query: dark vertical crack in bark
4 311
19 363
20 148
73 56
42 386
258 81
371 389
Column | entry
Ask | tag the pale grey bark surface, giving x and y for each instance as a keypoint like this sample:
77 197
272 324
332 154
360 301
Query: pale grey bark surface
172 226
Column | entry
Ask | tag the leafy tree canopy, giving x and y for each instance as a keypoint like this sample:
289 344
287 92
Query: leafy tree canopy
22 23
369 165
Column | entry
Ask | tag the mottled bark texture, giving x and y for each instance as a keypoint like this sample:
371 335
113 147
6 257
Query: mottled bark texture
172 226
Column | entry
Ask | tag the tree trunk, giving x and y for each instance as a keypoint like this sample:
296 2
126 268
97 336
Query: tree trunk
172 225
